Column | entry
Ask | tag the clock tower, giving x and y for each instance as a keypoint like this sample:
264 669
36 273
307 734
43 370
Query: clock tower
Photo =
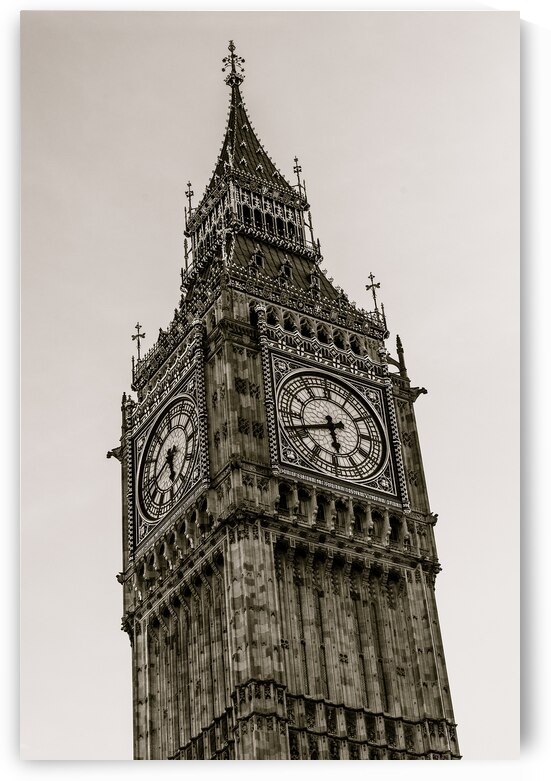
279 554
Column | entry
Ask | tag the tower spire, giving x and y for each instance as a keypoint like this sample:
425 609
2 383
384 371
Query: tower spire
234 63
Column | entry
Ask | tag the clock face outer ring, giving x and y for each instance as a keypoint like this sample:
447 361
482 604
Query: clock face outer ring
168 459
330 427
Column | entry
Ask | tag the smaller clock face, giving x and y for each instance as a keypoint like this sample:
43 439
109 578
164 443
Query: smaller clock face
330 426
168 459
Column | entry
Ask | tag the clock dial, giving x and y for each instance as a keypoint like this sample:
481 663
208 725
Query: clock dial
330 426
168 459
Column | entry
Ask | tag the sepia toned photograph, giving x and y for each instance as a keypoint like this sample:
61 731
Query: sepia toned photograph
270 505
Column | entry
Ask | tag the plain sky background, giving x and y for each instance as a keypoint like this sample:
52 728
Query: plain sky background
407 129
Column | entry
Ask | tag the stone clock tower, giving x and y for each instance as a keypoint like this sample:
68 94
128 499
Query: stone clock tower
279 554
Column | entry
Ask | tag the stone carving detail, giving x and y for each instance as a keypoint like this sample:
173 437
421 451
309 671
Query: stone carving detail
241 385
293 745
331 718
310 715
258 430
413 477
290 711
390 732
351 730
371 728
243 425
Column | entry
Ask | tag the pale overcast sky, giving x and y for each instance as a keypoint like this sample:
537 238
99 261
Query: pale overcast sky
407 130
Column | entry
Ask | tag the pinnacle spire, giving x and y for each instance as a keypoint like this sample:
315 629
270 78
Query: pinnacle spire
242 154
235 64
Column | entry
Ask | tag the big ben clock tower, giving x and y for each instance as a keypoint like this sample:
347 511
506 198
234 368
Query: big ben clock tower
279 555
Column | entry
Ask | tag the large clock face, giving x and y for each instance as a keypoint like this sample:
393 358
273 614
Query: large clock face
168 459
330 427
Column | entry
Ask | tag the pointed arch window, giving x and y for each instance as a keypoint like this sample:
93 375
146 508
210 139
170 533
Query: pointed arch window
323 334
271 316
321 504
306 327
355 345
341 508
378 522
395 526
359 519
284 498
338 340
288 322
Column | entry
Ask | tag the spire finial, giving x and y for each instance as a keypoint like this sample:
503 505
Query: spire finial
137 336
189 194
235 63
297 170
373 286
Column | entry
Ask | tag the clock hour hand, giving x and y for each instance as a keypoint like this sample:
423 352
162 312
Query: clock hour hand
332 426
329 425
170 453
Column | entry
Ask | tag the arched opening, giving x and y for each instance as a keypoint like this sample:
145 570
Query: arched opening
284 498
258 219
280 227
378 521
355 345
269 222
341 509
246 214
253 315
395 526
306 327
338 340
321 506
288 322
323 334
303 502
271 317
359 519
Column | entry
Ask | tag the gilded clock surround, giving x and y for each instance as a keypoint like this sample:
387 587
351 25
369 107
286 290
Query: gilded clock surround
275 610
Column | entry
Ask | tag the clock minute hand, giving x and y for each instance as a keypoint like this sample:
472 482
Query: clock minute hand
312 425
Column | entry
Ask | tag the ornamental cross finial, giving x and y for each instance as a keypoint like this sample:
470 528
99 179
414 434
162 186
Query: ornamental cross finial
189 194
137 336
297 170
373 286
235 63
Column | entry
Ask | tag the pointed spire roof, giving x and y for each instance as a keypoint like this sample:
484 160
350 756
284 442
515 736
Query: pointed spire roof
242 153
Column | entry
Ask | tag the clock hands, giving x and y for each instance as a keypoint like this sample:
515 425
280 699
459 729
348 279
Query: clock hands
169 462
170 453
330 426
